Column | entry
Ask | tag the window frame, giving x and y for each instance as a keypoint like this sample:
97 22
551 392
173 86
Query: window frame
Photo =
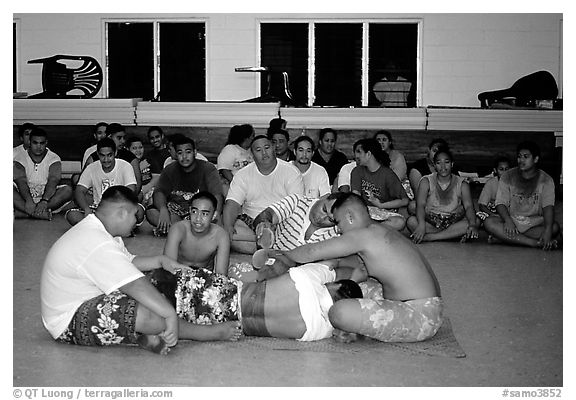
365 49
17 26
156 47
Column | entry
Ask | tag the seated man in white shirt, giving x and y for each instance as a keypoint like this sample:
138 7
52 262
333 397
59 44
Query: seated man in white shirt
93 291
254 188
316 182
24 136
37 173
99 176
99 134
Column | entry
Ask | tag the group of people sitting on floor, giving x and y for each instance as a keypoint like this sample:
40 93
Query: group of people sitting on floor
327 236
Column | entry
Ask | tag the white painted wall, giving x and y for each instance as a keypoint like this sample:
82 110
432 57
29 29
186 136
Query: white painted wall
461 54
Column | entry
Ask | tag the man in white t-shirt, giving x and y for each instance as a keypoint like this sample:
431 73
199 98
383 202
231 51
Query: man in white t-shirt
254 188
342 182
24 136
99 176
93 291
99 134
37 173
316 182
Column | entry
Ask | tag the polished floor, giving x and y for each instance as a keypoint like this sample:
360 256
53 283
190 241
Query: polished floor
505 304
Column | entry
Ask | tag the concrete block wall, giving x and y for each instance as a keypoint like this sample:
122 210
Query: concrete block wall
465 54
461 54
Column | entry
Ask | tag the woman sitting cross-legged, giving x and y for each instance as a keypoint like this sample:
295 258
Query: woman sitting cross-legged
444 208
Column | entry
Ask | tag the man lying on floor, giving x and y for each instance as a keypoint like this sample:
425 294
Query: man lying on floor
93 291
293 305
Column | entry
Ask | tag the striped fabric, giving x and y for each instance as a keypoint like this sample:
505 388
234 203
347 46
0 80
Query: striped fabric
293 212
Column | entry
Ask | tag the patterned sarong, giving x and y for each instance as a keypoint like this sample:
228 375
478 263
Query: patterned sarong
206 297
443 221
103 321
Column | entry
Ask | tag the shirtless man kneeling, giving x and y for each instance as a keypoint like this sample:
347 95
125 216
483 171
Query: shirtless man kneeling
410 308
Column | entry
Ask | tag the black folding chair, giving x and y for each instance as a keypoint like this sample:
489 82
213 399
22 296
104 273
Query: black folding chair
58 79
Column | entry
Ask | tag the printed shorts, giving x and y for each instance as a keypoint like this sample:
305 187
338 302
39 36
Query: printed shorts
401 321
248 220
205 297
443 221
525 223
380 214
102 321
178 209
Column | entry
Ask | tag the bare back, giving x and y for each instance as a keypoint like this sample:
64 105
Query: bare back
282 309
395 262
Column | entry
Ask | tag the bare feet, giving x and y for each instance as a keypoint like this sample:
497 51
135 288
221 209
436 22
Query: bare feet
247 277
266 238
47 215
553 245
261 258
153 343
345 337
230 330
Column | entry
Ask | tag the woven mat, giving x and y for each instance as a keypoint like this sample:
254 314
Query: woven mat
443 344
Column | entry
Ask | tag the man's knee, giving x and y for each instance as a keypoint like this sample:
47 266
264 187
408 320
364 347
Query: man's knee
555 229
412 223
492 223
66 192
148 322
244 247
345 314
397 223
152 216
74 216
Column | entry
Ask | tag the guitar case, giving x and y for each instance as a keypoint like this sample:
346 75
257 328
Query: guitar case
539 85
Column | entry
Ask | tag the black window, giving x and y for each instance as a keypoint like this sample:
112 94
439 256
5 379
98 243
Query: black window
347 60
177 74
14 60
284 48
130 60
338 78
182 62
393 50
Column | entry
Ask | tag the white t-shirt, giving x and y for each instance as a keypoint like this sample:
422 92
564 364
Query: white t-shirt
94 177
314 299
255 191
84 263
316 182
88 153
17 150
36 174
488 194
234 158
345 173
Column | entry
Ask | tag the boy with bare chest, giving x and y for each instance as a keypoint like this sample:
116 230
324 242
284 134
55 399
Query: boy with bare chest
199 242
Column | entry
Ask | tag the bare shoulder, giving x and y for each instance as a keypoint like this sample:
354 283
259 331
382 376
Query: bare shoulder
362 236
179 228
219 232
